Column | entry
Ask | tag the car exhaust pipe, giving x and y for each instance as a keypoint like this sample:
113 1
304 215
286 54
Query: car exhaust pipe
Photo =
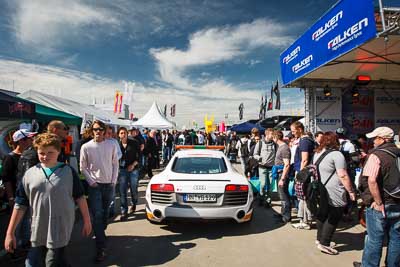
240 214
157 214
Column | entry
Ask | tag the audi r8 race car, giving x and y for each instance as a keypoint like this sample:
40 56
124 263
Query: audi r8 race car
199 184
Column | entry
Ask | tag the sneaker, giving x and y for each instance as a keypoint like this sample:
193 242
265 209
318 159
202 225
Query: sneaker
332 244
132 209
301 225
100 255
327 250
306 226
356 264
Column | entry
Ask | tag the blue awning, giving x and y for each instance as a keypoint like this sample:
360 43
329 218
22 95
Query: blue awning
347 25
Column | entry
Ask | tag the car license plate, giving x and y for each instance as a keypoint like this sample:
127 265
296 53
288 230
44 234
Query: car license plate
199 198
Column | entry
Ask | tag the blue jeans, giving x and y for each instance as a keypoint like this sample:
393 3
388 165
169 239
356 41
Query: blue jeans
265 183
286 208
244 162
42 256
166 153
99 201
128 179
377 227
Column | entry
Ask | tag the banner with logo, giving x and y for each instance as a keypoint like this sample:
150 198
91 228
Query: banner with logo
387 109
358 112
344 27
328 110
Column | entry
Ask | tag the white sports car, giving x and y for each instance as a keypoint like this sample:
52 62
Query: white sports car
199 184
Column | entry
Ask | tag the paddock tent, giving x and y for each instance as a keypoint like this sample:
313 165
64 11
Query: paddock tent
72 107
154 119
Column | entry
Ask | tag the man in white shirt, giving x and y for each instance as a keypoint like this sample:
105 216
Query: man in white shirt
99 165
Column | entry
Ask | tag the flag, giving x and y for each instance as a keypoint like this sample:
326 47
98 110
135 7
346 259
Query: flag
172 112
116 101
278 96
120 102
260 114
270 105
265 105
241 107
165 110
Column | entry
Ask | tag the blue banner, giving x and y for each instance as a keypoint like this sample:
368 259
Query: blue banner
344 27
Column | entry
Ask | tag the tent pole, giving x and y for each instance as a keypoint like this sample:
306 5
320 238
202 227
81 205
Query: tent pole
382 15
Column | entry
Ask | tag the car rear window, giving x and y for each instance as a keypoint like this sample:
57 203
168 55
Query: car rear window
199 165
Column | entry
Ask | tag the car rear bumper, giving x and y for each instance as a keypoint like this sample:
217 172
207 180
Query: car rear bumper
240 214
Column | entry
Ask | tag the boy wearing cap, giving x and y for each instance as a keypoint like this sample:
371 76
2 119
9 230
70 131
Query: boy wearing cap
380 180
23 140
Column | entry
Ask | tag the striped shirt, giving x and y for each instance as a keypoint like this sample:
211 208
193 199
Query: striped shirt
371 168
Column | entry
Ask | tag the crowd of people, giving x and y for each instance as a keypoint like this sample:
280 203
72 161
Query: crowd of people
43 188
345 168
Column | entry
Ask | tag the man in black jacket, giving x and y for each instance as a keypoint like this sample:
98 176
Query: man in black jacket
151 151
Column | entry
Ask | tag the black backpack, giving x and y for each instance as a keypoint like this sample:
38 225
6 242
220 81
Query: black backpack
351 158
308 186
232 145
244 150
28 159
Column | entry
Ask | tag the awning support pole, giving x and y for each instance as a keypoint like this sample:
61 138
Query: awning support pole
382 15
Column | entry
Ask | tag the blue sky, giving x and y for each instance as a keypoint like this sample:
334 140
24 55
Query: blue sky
204 56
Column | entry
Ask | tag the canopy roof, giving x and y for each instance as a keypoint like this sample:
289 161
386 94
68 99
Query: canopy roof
351 39
154 119
246 127
15 108
378 59
71 107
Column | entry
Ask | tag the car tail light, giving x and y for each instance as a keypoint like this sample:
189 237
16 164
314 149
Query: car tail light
163 188
236 188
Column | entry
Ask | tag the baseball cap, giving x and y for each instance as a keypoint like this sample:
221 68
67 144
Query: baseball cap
21 134
384 132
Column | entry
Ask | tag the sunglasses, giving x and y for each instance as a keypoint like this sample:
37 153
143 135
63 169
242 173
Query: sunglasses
98 129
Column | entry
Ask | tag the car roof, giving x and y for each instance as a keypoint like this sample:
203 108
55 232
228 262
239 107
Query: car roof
199 153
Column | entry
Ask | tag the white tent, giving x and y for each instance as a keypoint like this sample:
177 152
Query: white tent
154 119
72 107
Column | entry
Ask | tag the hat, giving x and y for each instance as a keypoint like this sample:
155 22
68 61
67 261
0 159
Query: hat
341 131
21 134
384 132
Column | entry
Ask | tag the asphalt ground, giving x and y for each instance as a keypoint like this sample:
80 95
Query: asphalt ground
264 241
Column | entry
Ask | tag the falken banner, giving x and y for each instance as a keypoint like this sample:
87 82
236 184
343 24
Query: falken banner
347 25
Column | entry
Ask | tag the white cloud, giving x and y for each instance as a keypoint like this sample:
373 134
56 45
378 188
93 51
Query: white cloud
221 44
215 45
48 24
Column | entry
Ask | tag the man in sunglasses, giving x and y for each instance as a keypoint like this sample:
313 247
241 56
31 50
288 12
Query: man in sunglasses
99 164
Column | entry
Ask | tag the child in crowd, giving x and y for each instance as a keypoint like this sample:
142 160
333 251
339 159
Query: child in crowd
49 190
